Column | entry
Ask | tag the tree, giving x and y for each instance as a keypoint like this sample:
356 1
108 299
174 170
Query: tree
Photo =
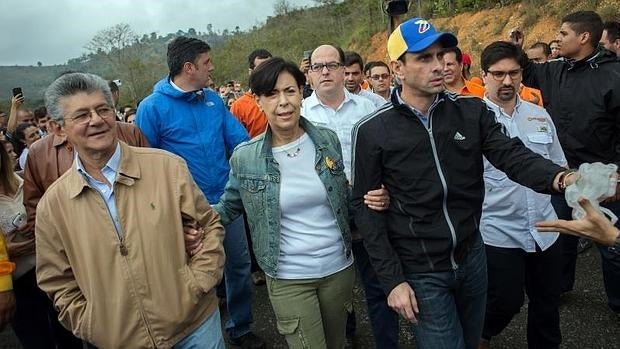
39 64
282 7
125 53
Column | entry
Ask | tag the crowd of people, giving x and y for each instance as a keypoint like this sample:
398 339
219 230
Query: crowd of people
439 188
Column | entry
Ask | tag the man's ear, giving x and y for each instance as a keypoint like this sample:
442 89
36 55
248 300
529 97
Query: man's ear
188 67
55 128
584 38
397 66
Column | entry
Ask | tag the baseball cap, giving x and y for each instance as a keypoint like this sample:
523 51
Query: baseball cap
416 35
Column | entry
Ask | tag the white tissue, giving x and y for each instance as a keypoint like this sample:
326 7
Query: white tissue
596 182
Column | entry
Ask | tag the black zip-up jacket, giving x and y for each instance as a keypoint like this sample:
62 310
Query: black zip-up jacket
434 176
583 99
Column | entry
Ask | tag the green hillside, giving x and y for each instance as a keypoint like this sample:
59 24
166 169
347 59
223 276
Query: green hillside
139 60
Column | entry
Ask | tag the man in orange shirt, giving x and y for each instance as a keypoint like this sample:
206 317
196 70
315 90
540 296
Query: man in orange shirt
453 79
245 108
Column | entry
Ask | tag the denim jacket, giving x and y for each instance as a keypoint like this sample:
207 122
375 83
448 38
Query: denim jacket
254 185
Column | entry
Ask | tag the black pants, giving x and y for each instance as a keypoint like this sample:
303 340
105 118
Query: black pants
36 322
510 270
568 244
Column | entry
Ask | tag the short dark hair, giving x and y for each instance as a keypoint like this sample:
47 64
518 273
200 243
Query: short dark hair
263 79
340 54
457 52
351 58
544 46
555 41
259 53
499 50
613 30
182 50
373 64
586 21
40 112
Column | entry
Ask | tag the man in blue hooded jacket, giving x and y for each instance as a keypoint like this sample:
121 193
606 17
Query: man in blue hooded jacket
186 118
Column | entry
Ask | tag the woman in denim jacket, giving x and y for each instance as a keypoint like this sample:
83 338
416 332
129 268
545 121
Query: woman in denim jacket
291 183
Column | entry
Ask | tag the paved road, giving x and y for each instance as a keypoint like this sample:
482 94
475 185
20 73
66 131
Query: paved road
585 319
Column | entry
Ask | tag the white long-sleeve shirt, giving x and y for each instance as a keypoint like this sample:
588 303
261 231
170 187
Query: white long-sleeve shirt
510 210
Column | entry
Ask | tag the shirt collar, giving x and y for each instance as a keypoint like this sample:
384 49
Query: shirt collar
413 109
314 100
497 108
110 167
177 87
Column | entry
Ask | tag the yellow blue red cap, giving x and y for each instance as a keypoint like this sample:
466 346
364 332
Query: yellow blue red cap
416 35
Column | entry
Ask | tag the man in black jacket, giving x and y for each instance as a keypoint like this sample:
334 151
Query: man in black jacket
427 149
582 94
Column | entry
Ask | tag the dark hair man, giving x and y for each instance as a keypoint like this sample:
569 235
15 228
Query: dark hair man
190 120
380 78
427 148
245 108
128 283
40 115
519 257
453 74
611 37
539 52
582 94
554 46
353 78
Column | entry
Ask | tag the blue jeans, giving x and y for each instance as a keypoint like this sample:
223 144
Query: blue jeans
207 336
237 279
383 320
452 303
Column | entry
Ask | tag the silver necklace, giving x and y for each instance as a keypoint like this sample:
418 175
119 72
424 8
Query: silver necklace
297 151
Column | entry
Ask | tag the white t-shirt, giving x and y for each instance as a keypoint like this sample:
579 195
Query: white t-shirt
311 245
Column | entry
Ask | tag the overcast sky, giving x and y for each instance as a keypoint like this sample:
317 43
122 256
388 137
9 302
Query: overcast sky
53 31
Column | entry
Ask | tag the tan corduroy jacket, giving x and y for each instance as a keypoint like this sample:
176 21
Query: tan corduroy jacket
141 291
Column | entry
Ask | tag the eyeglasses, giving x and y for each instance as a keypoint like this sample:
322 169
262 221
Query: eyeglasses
501 75
83 117
380 76
331 66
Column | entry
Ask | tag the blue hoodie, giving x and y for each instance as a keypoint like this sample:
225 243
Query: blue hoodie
196 127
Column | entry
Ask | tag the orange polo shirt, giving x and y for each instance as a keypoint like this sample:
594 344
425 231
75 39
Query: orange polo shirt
531 95
246 110
472 89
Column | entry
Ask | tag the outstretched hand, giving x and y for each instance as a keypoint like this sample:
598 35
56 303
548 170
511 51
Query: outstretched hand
594 225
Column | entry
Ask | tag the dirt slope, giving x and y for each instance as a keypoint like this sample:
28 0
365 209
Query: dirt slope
538 19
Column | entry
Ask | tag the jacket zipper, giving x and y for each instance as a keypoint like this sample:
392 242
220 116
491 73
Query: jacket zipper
445 189
123 250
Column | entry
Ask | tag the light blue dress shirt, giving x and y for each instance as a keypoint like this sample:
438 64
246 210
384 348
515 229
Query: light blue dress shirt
109 171
510 210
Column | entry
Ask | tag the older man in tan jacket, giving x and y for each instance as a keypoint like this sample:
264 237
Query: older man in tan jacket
109 235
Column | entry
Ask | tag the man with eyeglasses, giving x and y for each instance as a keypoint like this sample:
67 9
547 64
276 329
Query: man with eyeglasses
48 159
334 107
427 148
380 78
109 234
353 78
518 256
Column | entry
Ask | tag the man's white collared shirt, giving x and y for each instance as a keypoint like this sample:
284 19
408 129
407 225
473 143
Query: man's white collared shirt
510 210
341 120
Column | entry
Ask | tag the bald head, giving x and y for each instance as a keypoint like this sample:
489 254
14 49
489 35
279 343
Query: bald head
327 71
